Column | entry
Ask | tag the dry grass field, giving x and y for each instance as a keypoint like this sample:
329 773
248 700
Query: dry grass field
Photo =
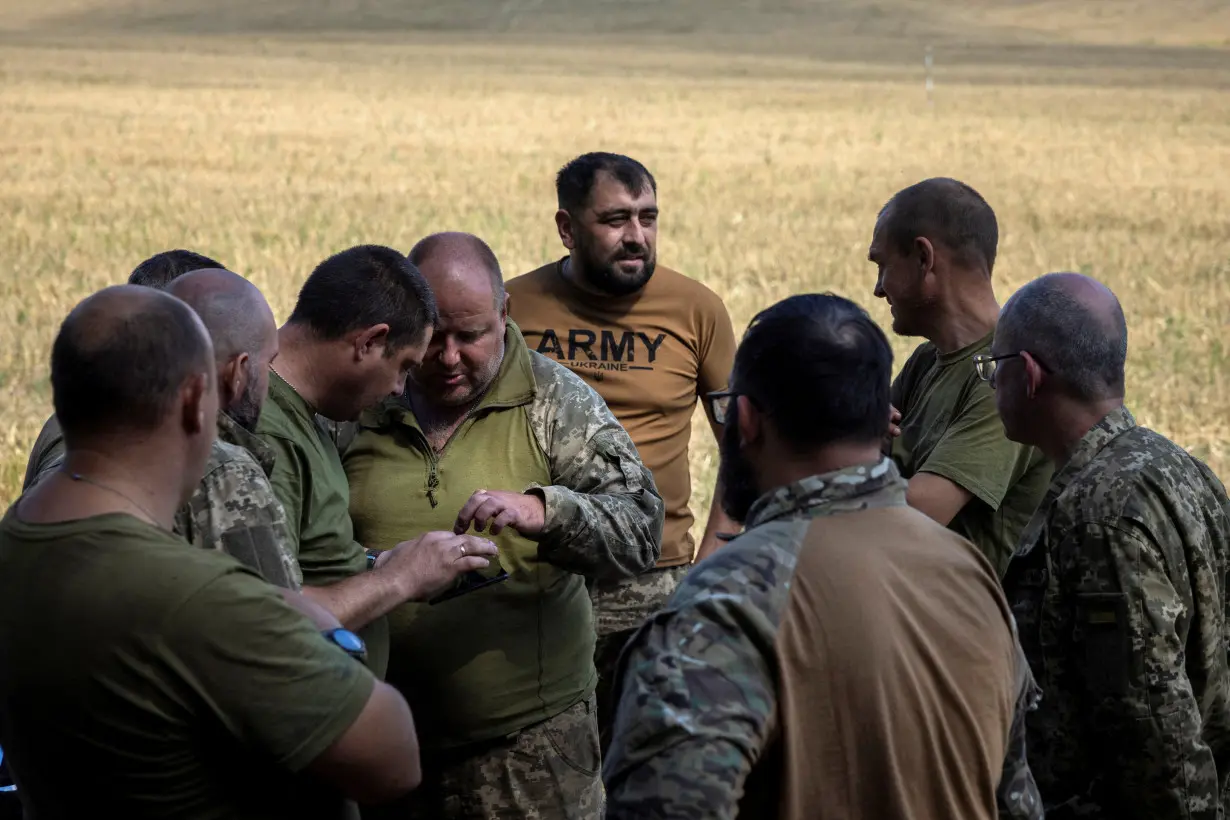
269 135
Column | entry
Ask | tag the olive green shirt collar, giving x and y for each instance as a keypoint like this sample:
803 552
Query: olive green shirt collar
513 386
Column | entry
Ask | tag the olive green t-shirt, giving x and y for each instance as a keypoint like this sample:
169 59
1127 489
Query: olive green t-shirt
309 480
949 427
142 679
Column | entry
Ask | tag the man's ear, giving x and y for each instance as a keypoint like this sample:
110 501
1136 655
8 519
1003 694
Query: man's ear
371 340
924 253
192 402
1034 374
563 223
749 421
232 379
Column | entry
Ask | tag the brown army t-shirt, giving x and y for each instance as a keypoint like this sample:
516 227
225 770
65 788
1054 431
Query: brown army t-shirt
142 679
949 427
650 355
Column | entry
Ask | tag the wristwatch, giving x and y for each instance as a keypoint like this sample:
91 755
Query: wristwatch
372 555
350 643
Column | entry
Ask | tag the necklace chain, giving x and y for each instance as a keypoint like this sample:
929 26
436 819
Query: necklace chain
79 477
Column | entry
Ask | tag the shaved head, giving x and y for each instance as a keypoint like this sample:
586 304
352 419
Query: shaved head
455 256
121 358
244 333
1075 327
234 311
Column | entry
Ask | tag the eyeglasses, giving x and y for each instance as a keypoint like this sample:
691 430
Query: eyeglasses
986 365
719 404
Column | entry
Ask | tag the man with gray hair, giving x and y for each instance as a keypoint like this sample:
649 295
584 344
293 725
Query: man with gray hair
1118 585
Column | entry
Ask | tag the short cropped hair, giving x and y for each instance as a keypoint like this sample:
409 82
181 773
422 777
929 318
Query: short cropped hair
820 367
1086 351
364 286
118 365
948 212
163 268
575 181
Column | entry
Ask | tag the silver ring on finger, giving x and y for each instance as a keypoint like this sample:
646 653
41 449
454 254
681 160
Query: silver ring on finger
463 550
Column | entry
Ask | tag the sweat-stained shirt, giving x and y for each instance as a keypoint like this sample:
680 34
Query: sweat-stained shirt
949 427
142 679
233 509
846 657
651 355
1119 589
501 658
311 485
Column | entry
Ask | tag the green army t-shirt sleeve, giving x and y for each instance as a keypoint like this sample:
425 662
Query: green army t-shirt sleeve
290 481
1131 646
264 671
696 706
974 453
47 453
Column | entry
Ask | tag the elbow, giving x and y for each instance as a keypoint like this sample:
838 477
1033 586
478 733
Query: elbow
391 783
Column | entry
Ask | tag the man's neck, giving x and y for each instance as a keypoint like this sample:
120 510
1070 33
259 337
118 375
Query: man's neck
1070 421
789 468
106 477
297 364
968 313
438 422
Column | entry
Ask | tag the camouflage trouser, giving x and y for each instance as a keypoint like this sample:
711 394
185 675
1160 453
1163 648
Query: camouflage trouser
619 609
550 771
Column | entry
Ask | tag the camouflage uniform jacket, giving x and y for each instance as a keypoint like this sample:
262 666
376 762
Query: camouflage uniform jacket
703 710
1118 588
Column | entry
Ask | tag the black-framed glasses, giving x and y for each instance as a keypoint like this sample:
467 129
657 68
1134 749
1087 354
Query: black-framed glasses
719 404
985 365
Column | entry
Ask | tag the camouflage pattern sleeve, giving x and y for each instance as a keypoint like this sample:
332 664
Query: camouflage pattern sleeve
1018 797
235 510
697 694
1145 722
604 516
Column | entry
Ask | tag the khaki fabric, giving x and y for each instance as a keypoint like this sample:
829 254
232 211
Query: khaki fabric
143 679
650 356
949 427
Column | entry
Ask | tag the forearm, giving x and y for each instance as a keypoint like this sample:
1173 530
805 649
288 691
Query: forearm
601 536
705 780
719 523
1166 770
360 599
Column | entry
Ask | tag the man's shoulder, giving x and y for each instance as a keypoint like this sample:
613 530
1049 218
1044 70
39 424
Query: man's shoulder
754 567
1138 466
535 281
557 384
232 468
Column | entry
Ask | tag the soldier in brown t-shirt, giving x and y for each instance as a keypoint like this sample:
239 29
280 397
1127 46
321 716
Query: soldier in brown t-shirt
651 342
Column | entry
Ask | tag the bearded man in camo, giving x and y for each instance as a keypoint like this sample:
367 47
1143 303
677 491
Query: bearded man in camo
847 655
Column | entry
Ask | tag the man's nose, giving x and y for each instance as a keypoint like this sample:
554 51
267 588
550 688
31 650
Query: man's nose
399 387
450 354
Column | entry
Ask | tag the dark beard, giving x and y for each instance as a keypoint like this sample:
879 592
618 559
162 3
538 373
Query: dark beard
245 412
739 491
606 277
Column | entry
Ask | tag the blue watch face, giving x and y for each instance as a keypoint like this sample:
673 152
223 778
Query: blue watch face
348 640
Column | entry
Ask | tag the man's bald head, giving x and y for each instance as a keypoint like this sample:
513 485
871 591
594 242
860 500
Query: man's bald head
1075 327
234 311
120 360
449 257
